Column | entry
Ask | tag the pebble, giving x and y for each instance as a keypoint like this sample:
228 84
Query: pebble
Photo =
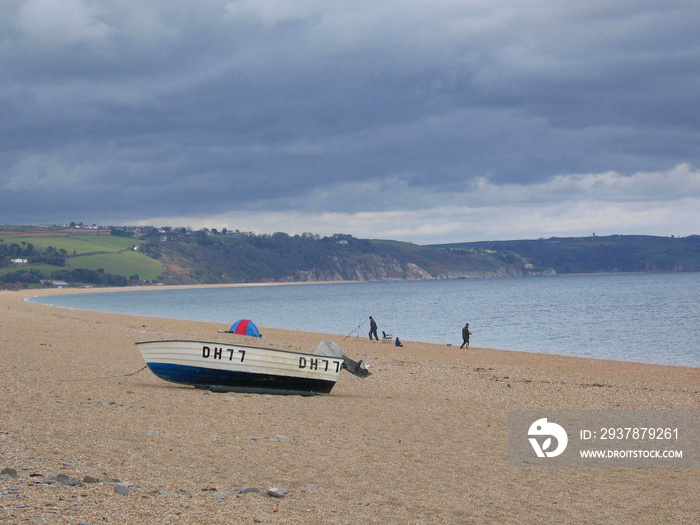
248 490
122 489
107 479
65 479
10 472
48 480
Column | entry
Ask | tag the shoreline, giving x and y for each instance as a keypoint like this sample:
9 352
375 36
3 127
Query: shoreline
421 441
498 356
66 291
514 356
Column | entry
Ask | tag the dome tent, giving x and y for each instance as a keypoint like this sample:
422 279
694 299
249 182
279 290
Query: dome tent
245 327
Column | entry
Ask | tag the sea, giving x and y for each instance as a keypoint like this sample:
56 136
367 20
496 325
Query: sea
646 318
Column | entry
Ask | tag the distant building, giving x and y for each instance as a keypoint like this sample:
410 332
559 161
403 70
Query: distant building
57 284
18 261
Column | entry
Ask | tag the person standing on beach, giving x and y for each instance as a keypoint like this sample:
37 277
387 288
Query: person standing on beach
465 336
373 329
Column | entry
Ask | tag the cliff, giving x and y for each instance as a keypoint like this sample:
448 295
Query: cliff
284 258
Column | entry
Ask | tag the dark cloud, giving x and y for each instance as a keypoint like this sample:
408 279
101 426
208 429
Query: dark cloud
129 111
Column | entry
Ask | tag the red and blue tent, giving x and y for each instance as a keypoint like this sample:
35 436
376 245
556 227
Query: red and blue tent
245 327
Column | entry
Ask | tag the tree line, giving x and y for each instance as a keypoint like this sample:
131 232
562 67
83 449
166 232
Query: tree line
30 276
26 250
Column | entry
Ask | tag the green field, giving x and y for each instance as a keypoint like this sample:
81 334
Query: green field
76 244
125 263
115 255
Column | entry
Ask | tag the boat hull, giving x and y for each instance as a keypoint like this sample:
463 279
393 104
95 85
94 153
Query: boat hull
231 367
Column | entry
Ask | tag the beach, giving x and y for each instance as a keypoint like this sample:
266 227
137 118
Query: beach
423 440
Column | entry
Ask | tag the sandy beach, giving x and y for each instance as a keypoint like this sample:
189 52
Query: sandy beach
423 440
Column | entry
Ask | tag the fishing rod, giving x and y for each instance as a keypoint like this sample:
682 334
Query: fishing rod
355 330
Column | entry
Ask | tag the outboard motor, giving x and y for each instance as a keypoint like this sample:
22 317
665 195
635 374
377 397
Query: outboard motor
330 349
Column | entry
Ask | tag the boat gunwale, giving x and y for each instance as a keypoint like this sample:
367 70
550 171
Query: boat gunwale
233 344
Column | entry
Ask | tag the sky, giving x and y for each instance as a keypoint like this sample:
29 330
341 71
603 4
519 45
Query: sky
425 121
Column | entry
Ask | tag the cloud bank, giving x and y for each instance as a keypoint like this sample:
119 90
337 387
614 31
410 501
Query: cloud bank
427 121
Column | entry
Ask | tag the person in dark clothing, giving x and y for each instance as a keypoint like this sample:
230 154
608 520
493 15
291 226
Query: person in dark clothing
465 336
373 329
397 342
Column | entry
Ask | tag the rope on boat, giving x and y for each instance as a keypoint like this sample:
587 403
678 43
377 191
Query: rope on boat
100 378
134 373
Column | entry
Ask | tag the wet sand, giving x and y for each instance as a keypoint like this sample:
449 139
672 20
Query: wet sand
423 440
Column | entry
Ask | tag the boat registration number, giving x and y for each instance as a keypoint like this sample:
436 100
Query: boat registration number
319 364
223 353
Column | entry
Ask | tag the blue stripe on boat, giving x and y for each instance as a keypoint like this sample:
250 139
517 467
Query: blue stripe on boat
207 377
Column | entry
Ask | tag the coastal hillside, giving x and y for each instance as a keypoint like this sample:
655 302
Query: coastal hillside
594 254
206 257
121 256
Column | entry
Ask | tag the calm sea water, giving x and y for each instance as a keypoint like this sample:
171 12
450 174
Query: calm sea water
652 318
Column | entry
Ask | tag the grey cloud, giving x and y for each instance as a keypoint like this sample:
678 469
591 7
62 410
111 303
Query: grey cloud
135 110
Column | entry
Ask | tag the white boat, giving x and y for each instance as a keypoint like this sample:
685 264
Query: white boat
239 368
